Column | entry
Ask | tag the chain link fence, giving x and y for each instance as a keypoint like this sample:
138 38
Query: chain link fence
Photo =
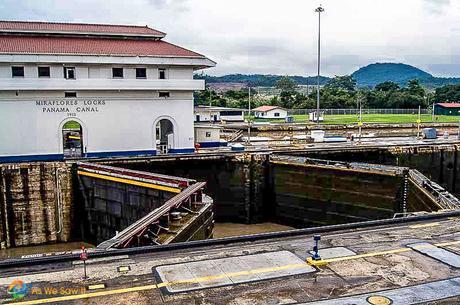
356 111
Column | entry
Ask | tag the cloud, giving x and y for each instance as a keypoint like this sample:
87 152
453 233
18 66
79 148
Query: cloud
279 37
436 6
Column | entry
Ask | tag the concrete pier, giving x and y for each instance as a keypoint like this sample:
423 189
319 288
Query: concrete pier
371 261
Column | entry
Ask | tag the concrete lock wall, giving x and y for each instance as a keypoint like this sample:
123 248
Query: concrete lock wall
247 189
316 196
439 163
111 126
35 203
236 185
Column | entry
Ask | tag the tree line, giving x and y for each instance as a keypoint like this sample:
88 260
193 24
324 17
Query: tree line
340 92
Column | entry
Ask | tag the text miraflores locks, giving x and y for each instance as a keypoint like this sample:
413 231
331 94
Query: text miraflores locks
70 105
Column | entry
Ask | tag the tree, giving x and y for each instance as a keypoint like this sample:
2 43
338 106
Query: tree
285 83
288 91
387 86
345 82
414 88
448 93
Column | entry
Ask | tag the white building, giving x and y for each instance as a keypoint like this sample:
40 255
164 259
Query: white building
89 90
270 112
208 135
218 114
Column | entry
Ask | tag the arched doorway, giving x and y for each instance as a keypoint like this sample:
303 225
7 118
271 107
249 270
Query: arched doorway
164 135
72 139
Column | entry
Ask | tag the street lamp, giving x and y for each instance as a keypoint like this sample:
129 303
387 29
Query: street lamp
319 10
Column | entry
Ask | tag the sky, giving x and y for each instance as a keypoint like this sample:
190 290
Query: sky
280 36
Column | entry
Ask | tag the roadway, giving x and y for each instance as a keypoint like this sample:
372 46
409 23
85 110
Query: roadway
408 263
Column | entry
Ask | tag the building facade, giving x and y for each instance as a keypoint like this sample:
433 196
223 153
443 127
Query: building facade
447 109
218 114
270 112
89 90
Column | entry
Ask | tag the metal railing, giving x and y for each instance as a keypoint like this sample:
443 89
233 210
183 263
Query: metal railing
368 167
124 238
444 199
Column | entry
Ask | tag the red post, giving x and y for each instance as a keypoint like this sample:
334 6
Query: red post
84 257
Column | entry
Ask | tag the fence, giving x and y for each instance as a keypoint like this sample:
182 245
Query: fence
356 111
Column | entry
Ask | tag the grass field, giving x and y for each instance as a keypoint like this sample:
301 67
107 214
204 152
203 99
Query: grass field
375 118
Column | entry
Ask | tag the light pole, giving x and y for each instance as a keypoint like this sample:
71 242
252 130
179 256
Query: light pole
360 119
319 10
249 117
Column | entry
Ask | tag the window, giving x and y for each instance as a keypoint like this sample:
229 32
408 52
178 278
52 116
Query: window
141 73
230 113
17 71
43 71
162 73
69 72
70 94
163 94
117 72
277 114
208 134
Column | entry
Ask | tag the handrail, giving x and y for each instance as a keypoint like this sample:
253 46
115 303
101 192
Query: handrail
153 216
135 175
385 169
445 199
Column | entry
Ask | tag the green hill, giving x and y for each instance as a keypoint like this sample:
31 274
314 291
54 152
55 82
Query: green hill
368 76
259 79
377 73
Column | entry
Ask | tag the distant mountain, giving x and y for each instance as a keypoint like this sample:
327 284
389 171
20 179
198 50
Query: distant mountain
259 79
377 73
368 76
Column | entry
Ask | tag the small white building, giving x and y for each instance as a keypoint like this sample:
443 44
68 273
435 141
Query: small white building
94 90
218 114
270 112
208 136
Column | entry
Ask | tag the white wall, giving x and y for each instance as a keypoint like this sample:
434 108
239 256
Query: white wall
103 71
149 94
206 115
233 118
118 125
271 114
201 133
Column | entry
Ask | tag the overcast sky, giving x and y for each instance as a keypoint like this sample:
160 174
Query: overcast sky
279 36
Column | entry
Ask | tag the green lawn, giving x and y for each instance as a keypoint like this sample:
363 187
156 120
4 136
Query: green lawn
71 125
375 118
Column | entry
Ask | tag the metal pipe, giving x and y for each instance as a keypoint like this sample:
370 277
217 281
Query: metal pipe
228 240
58 201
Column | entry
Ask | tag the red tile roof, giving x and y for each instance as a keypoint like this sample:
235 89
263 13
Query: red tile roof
449 105
90 46
27 26
266 108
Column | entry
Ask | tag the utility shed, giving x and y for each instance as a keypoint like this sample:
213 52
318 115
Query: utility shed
208 135
447 109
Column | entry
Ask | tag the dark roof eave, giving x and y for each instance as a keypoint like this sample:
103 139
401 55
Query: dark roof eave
96 54
81 34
